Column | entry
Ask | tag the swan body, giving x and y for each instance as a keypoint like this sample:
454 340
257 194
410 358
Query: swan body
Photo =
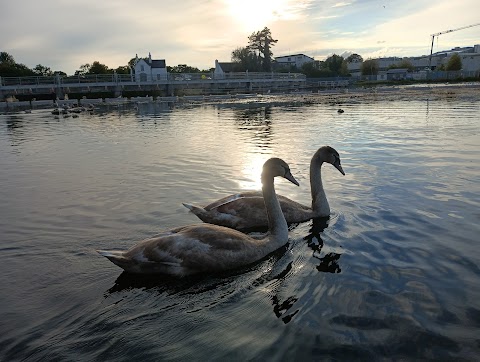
246 210
209 248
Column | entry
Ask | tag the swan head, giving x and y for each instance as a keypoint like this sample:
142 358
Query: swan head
277 167
330 155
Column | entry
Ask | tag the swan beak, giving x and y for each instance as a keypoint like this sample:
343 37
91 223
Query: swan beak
290 178
339 168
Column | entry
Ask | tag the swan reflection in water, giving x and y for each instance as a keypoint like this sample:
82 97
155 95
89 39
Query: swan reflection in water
328 264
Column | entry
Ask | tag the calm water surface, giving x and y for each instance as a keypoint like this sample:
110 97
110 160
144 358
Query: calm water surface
393 274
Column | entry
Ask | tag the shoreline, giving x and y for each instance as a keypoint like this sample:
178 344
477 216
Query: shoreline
427 92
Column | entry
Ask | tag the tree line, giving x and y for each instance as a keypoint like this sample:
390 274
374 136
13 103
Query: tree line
10 68
371 66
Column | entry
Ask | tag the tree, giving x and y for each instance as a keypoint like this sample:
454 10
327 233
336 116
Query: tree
336 64
42 70
84 68
370 67
454 63
9 68
262 41
182 68
15 70
354 58
316 69
123 69
406 64
246 60
310 70
95 68
6 58
99 68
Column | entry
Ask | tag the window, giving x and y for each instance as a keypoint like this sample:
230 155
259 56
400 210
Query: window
142 68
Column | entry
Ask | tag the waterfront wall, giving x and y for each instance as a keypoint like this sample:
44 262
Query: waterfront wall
115 85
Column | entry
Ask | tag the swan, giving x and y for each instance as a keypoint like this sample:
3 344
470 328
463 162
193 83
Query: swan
244 211
200 248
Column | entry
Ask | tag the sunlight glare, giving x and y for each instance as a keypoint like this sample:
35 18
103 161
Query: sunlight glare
251 172
254 15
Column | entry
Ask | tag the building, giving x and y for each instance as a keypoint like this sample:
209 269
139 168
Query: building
394 74
470 58
470 61
293 61
150 70
222 68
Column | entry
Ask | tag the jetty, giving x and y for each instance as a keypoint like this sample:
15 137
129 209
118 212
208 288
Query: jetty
118 85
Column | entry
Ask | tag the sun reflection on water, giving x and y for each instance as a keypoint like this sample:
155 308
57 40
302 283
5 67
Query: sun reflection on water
252 170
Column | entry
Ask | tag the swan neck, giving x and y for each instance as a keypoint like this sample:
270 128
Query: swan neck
319 199
277 224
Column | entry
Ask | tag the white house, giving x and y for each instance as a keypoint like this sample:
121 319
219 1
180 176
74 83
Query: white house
294 60
150 70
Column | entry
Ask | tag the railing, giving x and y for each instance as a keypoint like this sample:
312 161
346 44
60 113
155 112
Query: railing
125 78
9 81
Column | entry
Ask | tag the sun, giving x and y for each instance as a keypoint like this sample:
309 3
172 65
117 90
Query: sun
254 15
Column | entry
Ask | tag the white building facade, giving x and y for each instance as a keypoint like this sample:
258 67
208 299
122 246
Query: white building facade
150 70
295 60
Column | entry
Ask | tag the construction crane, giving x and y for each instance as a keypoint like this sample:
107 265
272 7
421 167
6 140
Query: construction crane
444 32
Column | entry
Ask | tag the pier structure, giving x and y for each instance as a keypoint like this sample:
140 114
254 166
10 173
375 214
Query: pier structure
117 85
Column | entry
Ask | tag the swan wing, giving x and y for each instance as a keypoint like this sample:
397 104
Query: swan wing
192 249
234 198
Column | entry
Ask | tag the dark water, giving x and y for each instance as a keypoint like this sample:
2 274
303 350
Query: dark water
394 274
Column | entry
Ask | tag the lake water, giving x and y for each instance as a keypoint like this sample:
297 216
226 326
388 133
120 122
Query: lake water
393 274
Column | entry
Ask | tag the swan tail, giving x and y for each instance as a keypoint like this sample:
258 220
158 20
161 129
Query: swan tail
195 209
115 256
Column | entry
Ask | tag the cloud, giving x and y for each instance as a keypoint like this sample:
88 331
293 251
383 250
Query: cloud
326 17
63 35
341 4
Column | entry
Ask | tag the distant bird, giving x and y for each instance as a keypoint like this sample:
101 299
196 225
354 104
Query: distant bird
340 110
201 248
246 210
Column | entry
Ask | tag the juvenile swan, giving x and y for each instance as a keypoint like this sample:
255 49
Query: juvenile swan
246 210
208 248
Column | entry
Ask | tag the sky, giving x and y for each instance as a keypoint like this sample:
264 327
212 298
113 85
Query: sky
64 34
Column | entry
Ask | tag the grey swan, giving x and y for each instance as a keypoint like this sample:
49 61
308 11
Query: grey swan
246 211
203 248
